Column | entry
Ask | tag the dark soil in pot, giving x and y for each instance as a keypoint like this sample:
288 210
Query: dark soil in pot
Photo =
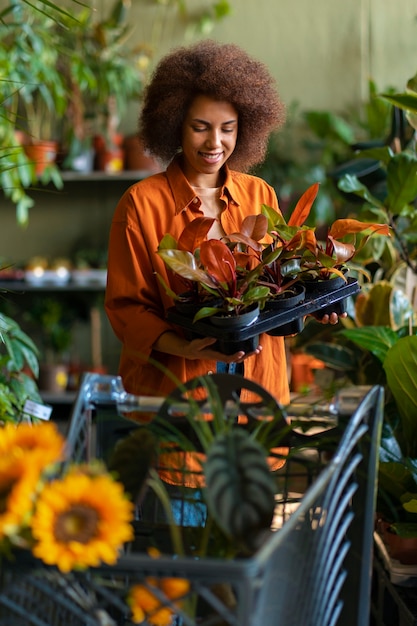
233 322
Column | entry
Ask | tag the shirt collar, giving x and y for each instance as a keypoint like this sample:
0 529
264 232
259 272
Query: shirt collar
182 191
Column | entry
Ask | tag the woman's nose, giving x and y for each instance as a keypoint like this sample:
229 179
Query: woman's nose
214 138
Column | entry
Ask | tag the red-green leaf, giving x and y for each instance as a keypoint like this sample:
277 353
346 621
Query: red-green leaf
255 226
184 264
195 233
218 260
303 206
343 227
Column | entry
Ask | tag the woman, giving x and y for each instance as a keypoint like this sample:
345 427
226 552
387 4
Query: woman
208 111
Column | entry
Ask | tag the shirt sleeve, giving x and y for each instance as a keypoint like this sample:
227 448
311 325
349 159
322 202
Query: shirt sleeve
134 303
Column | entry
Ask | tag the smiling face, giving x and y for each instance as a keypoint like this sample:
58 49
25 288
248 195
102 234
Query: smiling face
209 137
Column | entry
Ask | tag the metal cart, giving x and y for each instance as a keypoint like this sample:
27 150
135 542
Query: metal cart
315 570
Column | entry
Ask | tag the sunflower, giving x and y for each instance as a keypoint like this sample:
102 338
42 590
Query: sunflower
81 520
40 444
18 483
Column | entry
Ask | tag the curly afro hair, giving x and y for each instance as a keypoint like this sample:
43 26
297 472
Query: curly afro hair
220 71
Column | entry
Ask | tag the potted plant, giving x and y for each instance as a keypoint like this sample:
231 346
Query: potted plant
30 50
327 258
222 271
104 71
299 255
19 367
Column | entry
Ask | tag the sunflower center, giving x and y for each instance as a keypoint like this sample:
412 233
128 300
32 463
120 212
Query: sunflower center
5 490
79 523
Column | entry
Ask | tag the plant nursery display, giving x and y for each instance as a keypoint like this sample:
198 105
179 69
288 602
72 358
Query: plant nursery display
261 264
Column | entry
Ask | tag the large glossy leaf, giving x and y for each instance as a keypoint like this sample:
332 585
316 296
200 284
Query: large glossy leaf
195 233
377 339
274 217
303 206
402 181
400 366
255 226
218 260
351 184
184 264
373 306
341 228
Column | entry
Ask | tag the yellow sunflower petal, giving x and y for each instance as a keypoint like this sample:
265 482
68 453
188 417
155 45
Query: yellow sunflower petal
18 483
81 521
40 444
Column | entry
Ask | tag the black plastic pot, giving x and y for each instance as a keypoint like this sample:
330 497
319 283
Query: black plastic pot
319 287
284 301
234 322
231 324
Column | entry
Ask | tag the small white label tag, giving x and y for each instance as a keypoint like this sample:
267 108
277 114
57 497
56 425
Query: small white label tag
34 409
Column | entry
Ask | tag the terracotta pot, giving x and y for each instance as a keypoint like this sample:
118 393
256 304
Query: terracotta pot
109 158
42 153
136 158
402 549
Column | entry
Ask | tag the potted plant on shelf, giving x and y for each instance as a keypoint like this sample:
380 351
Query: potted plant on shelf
37 92
32 99
104 72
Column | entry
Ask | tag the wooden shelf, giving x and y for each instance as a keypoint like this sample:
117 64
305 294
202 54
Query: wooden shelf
21 286
127 175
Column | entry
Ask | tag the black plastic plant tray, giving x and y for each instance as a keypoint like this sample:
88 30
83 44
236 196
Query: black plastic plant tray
267 320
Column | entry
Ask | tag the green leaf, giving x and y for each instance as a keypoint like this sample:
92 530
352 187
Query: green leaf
351 184
401 181
400 366
377 339
407 101
336 356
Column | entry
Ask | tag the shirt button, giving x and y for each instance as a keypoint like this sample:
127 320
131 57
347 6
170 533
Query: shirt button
210 372
195 200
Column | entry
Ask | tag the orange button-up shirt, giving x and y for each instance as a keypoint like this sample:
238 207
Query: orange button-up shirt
135 301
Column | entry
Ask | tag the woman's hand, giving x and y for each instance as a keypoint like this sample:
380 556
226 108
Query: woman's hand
333 318
200 349
171 343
